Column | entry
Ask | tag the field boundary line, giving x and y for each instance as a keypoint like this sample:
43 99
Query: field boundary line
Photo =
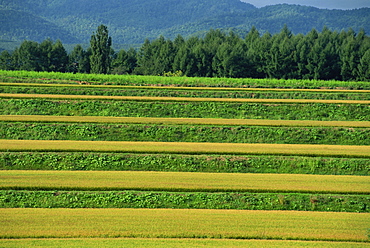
184 88
186 148
178 99
182 121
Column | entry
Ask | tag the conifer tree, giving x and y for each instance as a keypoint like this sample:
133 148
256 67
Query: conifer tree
58 57
6 61
79 60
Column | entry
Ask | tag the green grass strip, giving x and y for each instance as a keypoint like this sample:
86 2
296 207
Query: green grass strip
185 92
177 99
83 78
184 133
183 223
225 110
184 200
182 121
195 88
183 181
96 161
185 148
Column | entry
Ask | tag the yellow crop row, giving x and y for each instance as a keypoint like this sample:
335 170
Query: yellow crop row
173 243
184 147
182 121
181 181
183 223
180 99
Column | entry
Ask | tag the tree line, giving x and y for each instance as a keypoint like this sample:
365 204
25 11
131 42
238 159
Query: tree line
325 55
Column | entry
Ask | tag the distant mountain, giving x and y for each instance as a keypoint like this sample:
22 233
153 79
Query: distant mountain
131 21
21 25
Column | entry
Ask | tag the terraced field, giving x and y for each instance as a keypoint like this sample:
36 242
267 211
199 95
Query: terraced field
193 164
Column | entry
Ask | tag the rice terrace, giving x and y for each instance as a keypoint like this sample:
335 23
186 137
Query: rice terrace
198 123
147 161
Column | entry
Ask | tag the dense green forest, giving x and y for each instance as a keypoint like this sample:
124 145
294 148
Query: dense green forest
326 55
130 22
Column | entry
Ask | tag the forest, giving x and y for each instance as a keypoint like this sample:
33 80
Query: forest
324 55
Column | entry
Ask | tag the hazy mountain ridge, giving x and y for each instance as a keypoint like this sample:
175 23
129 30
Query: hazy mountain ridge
73 21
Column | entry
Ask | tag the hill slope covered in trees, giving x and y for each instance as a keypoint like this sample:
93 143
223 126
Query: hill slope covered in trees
130 22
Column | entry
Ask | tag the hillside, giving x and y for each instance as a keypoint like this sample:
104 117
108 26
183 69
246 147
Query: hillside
130 22
16 26
102 164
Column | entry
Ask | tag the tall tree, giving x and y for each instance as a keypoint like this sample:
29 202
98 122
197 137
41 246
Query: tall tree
100 51
79 60
6 61
124 62
364 67
45 48
28 57
59 57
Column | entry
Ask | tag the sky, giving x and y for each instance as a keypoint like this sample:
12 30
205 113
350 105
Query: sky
324 4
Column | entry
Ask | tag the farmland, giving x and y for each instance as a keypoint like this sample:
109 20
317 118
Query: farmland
144 155
183 181
169 223
161 242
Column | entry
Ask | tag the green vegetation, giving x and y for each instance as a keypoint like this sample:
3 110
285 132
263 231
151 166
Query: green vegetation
188 92
137 80
131 23
100 51
186 163
327 56
227 110
177 99
143 199
185 133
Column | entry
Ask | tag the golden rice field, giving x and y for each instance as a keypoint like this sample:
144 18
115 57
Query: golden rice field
182 181
182 121
182 223
173 243
178 99
184 147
